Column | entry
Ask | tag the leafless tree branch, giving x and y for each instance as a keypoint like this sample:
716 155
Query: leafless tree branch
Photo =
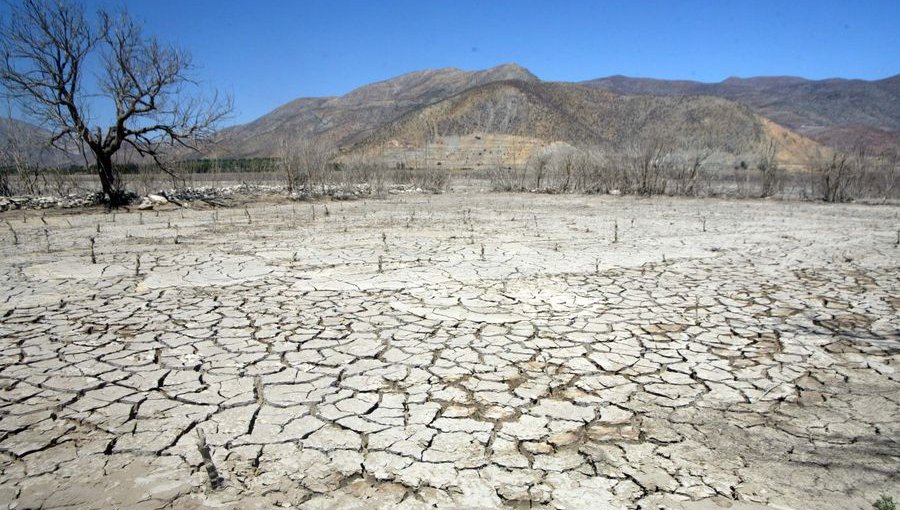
44 49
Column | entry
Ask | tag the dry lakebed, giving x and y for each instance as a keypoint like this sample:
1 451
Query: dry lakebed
465 350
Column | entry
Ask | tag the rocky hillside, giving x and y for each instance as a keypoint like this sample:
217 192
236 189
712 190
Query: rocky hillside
834 112
463 119
341 120
503 123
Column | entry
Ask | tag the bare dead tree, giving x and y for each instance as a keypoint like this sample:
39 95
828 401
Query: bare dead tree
768 167
610 170
44 50
565 166
539 161
592 171
647 160
288 163
584 172
304 164
884 179
504 177
834 174
361 170
855 173
687 170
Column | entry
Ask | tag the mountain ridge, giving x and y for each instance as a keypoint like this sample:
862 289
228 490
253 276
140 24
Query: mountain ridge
336 119
834 111
838 112
532 116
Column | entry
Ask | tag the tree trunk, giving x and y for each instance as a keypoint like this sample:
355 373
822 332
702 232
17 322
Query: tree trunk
109 180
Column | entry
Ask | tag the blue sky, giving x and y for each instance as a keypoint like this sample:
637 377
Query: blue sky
266 53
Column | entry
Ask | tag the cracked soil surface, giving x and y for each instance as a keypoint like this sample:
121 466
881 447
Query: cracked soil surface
452 351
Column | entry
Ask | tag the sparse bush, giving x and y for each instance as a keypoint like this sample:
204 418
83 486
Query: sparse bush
686 177
835 179
506 178
304 165
885 502
884 178
597 174
359 171
842 176
435 180
838 174
647 160
648 169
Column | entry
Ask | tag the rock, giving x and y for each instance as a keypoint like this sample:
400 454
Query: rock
151 201
205 193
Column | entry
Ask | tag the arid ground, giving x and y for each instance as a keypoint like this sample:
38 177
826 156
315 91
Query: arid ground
452 351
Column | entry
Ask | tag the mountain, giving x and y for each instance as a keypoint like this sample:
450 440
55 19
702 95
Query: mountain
835 112
340 120
476 118
30 143
505 122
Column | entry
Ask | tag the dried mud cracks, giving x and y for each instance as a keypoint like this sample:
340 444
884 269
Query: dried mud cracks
507 354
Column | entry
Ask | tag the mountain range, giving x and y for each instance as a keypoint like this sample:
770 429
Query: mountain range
503 115
835 112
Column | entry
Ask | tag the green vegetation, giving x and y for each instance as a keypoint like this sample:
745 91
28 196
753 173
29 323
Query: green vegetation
885 503
205 166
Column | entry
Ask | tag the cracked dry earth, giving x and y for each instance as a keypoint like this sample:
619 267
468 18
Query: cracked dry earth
453 351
